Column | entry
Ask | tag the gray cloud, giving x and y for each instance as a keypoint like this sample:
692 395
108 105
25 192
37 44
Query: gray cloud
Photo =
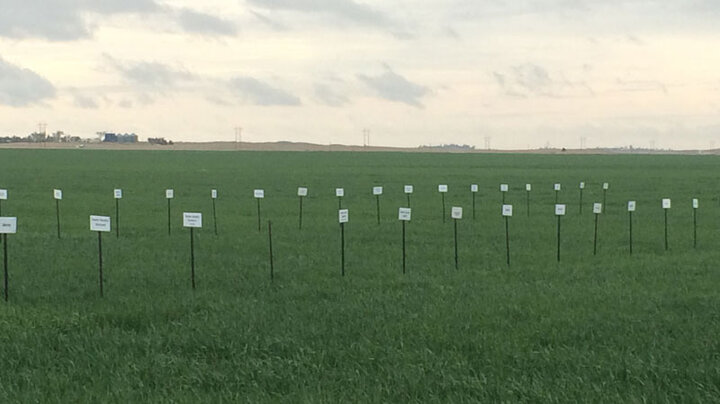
394 87
85 102
257 92
347 10
150 76
273 24
641 85
532 80
328 96
193 21
21 87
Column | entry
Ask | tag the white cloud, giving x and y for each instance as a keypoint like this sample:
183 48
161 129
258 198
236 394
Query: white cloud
21 87
201 23
256 92
394 87
347 10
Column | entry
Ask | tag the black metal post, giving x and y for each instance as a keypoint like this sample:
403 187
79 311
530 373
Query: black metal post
117 218
631 232
5 265
214 217
408 200
473 204
507 239
100 263
403 246
528 203
443 206
168 201
694 228
57 214
666 230
272 266
377 198
258 212
456 244
558 238
342 248
581 201
300 213
596 234
192 258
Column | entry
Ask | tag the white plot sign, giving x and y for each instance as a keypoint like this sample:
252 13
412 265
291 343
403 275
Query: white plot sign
528 187
666 203
504 187
404 214
118 193
597 208
8 225
559 210
213 194
474 188
169 193
507 210
57 194
377 190
302 191
557 187
192 220
442 188
343 216
582 185
456 212
606 186
100 223
3 194
631 206
409 189
259 193
696 203
339 192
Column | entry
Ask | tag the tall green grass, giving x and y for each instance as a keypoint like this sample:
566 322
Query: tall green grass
602 328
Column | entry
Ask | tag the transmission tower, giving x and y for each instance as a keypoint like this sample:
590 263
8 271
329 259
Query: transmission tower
366 137
487 142
238 136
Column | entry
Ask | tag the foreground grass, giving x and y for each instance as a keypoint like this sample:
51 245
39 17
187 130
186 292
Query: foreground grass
592 328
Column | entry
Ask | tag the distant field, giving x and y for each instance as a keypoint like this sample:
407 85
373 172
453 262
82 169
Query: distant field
605 328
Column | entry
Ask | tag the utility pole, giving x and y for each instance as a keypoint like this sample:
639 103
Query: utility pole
583 140
238 137
487 142
366 137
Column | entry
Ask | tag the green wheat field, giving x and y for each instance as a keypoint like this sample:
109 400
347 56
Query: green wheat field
609 327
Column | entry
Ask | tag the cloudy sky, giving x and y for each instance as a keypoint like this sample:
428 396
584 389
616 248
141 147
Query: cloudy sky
525 73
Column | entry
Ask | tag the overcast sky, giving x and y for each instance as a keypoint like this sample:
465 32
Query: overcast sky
526 73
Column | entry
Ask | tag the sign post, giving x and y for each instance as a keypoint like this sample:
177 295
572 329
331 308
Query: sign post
169 194
606 186
528 188
259 194
582 188
100 224
474 190
631 209
507 212
456 214
343 217
377 191
118 194
666 204
3 197
408 191
404 215
272 266
302 193
8 225
214 196
58 195
443 190
192 221
557 193
504 188
559 212
597 210
339 192
695 205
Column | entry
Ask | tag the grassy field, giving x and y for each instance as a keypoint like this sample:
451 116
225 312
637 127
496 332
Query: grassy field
604 328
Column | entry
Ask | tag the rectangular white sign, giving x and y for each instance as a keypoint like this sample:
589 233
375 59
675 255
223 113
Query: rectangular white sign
560 210
442 188
3 194
169 193
339 192
118 193
606 186
57 194
696 203
666 203
582 185
343 215
507 210
597 208
213 193
456 212
504 187
631 206
193 220
557 187
259 193
409 189
100 223
377 190
302 191
528 187
8 225
404 214
474 188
